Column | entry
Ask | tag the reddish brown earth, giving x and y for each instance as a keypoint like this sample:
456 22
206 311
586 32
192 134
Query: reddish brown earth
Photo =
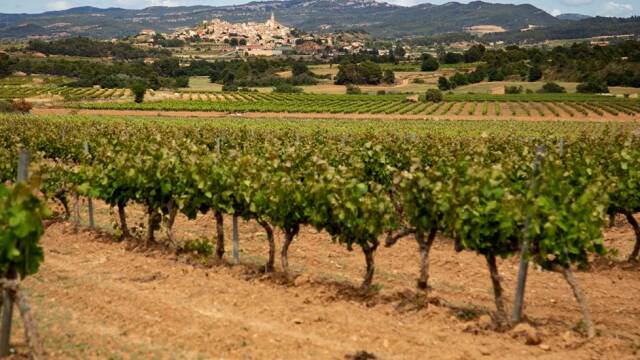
505 115
98 298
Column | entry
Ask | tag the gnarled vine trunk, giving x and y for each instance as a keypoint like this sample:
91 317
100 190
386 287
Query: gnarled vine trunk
368 251
219 233
284 253
123 220
7 312
581 299
173 213
270 265
30 326
425 248
152 224
62 197
501 312
636 229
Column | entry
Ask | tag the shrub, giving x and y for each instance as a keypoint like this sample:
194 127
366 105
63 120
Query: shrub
352 89
389 77
593 86
200 247
381 92
453 58
182 82
230 87
444 84
21 106
304 79
429 64
6 107
138 89
552 88
433 95
418 81
513 89
459 79
285 88
477 76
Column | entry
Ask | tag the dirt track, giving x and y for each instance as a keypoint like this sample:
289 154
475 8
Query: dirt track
96 298
505 115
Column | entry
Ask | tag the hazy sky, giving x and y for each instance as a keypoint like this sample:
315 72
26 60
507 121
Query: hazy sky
591 7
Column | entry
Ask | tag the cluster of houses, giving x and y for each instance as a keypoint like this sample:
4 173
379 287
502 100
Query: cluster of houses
270 38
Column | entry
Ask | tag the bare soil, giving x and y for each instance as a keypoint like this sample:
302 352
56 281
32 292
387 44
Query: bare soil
98 298
505 115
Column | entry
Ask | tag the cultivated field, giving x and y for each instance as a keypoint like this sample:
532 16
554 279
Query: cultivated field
459 106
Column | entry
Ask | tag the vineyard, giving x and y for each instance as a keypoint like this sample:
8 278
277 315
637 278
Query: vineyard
67 93
538 106
544 196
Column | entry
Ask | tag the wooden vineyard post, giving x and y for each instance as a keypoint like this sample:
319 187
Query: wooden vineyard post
235 241
92 223
7 299
524 261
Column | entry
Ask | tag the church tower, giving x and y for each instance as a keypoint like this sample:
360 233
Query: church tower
272 21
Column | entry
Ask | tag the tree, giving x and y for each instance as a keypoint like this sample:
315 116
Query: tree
443 83
429 63
593 86
513 89
285 88
433 95
552 88
139 88
243 42
474 53
233 42
347 74
299 68
453 58
367 72
370 72
477 75
5 68
389 77
459 79
182 82
535 73
168 67
496 74
353 90
399 51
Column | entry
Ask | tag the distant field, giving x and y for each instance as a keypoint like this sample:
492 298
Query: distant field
202 83
525 106
488 87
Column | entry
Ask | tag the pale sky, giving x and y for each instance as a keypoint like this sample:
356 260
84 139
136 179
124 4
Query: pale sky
623 8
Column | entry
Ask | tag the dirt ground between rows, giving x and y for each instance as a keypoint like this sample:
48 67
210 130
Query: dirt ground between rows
97 298
505 115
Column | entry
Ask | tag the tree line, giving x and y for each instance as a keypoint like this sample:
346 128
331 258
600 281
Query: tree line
596 67
87 47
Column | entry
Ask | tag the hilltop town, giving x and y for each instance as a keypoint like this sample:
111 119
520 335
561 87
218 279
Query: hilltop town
269 34
269 38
